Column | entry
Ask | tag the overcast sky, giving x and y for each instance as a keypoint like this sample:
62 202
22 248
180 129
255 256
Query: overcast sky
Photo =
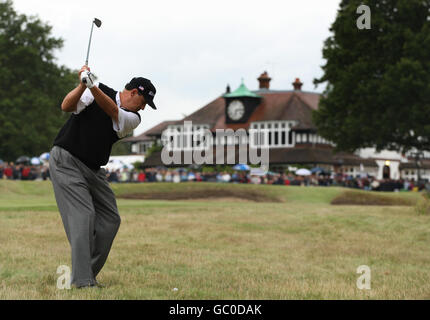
191 49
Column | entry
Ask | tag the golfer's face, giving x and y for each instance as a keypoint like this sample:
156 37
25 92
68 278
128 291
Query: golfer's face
138 101
142 103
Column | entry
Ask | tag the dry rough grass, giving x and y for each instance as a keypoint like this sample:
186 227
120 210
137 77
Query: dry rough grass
423 204
371 199
303 248
250 195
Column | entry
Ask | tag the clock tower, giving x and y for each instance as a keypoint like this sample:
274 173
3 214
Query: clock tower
240 104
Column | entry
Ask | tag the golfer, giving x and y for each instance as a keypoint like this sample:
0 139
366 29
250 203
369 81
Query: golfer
100 117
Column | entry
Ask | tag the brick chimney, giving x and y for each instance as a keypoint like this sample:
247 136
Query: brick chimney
297 85
264 80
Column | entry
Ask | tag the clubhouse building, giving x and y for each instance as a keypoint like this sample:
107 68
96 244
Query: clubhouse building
286 115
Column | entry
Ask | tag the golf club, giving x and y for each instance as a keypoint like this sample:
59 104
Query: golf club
98 23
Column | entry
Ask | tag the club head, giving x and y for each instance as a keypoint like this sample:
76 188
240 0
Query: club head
97 22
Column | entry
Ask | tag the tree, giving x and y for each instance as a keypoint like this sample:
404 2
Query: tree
32 85
378 79
120 148
154 148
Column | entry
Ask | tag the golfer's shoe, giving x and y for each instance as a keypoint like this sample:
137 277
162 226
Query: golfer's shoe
84 286
99 285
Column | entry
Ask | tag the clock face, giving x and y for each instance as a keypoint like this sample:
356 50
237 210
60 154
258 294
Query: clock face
235 110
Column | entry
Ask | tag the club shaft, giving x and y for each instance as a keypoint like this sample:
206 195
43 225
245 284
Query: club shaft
89 43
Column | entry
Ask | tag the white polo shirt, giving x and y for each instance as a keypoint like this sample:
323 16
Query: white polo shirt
127 121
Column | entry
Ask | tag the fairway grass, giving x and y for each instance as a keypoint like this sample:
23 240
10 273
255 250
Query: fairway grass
300 248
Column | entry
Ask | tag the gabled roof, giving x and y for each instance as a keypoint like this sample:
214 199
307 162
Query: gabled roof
142 137
275 105
425 164
209 114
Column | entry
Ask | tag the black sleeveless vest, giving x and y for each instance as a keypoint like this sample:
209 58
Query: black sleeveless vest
89 135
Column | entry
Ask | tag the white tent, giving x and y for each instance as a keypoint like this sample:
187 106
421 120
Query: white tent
257 172
303 172
116 164
35 161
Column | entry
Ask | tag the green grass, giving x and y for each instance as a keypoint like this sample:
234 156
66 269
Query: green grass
300 248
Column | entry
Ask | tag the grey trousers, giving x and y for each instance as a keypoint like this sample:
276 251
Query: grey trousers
89 213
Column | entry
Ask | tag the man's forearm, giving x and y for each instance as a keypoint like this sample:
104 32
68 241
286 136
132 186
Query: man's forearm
70 101
106 103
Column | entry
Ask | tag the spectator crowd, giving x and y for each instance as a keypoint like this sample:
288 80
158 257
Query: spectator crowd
11 171
184 175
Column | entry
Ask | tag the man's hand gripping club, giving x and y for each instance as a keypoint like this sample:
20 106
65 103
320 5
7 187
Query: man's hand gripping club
104 102
88 78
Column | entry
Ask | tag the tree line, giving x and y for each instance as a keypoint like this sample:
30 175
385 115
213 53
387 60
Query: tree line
377 80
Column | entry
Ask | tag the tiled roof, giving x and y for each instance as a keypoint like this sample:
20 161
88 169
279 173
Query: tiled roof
142 137
425 164
209 114
275 105
317 155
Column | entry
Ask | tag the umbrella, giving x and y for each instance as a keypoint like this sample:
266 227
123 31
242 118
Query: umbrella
44 156
257 172
241 167
35 161
320 170
194 166
23 160
303 172
191 176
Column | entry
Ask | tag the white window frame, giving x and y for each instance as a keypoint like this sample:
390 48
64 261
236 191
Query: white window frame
273 127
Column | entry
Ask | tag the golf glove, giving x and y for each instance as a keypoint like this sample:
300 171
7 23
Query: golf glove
88 79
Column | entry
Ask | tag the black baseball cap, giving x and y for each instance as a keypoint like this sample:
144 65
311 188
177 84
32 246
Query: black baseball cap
145 88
